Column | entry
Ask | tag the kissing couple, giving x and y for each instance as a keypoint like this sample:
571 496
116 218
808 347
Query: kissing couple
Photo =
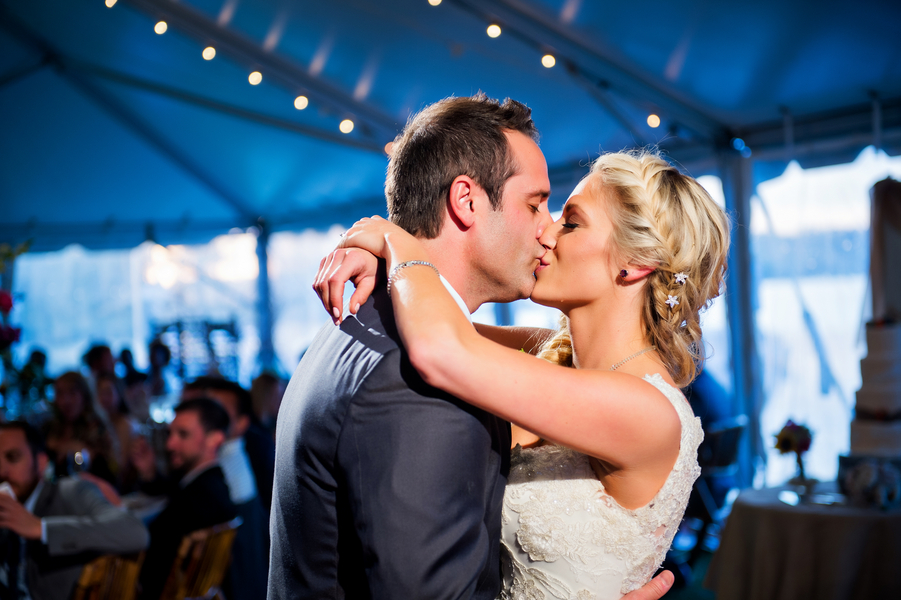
395 477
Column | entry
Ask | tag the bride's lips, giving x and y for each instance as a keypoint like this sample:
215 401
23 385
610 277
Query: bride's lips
542 264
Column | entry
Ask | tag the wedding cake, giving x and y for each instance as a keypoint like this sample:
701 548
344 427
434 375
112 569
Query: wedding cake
876 428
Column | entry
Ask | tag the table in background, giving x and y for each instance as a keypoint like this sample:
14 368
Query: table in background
773 551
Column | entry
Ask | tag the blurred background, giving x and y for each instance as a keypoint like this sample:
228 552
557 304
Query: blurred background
172 172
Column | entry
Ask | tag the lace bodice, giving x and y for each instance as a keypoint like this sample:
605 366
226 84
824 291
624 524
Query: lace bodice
564 537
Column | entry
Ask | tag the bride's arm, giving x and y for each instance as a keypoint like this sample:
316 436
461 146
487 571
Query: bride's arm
600 413
360 268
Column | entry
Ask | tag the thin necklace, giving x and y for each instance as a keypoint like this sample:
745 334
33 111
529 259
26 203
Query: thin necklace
628 358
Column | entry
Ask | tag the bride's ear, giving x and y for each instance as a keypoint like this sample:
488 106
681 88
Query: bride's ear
461 202
633 274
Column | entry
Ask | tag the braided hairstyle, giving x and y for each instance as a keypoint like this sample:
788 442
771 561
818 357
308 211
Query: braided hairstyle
664 219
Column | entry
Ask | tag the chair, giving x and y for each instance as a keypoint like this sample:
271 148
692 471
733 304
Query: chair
201 562
109 577
717 457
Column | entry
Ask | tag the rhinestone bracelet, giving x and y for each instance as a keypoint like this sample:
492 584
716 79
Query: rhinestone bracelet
405 264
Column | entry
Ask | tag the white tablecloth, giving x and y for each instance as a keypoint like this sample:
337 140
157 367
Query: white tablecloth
773 551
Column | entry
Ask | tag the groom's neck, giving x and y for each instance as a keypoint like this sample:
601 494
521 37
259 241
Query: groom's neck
453 263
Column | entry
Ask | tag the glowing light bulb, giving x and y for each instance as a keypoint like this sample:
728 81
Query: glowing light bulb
160 27
346 126
548 61
434 2
653 120
493 30
209 53
301 102
255 78
110 3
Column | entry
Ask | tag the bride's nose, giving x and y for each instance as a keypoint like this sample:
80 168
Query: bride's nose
548 237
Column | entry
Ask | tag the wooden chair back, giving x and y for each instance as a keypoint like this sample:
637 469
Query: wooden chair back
201 562
109 577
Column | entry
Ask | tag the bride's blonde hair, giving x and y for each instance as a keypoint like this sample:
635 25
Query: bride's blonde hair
664 219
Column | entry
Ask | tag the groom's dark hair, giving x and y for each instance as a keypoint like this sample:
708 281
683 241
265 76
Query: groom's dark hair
453 137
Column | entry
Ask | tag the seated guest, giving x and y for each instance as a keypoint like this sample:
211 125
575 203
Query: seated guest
250 554
48 531
266 393
122 427
258 444
76 428
198 495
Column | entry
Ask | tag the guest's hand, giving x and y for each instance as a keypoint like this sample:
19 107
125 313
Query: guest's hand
16 518
340 266
653 589
108 491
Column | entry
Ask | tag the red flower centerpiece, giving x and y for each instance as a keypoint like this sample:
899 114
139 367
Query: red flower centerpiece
795 438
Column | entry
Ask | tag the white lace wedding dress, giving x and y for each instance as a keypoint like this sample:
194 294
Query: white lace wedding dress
564 537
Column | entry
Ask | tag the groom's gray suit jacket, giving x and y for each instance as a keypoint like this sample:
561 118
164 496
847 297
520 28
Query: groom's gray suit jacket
384 487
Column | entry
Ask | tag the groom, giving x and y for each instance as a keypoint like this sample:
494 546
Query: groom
386 487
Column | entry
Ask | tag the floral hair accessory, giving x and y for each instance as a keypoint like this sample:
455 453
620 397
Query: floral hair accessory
681 277
672 300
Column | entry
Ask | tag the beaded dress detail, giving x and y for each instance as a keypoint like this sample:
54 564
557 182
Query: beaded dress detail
565 538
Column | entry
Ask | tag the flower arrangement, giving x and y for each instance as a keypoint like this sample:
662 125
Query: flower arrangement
796 438
8 334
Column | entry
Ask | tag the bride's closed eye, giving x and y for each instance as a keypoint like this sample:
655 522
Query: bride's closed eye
570 225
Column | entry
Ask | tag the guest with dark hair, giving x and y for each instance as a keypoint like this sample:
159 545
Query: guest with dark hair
77 438
258 444
48 531
99 359
123 427
250 554
198 494
160 355
266 393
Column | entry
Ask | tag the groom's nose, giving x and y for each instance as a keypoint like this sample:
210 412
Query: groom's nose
546 221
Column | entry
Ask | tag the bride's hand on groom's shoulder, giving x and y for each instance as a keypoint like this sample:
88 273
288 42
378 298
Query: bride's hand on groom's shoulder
360 267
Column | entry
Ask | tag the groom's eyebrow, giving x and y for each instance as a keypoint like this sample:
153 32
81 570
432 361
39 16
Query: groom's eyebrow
543 193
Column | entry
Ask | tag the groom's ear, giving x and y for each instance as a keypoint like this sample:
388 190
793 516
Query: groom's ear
461 203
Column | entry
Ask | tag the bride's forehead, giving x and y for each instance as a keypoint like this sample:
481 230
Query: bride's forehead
580 187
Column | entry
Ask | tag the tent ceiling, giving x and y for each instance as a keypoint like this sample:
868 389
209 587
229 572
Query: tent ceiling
113 134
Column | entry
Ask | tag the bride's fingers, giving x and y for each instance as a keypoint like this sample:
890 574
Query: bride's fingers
365 287
320 285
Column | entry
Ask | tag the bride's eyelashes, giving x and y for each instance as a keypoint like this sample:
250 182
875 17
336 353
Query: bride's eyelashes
570 225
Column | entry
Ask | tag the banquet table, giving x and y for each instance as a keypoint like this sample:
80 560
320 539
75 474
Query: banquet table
771 550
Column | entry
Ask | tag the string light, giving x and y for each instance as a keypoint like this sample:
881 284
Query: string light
346 126
255 78
160 27
209 53
493 30
548 61
301 102
653 120
110 3
434 2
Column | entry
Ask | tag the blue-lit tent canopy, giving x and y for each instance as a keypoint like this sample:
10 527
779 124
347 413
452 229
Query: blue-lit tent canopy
112 134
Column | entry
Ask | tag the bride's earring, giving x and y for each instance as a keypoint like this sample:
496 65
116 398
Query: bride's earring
623 274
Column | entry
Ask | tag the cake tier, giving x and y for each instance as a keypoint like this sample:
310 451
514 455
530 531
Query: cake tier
881 369
876 438
881 399
884 341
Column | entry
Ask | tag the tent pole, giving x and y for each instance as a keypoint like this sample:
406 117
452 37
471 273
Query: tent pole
735 174
266 359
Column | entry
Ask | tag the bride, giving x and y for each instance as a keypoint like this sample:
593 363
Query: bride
606 453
